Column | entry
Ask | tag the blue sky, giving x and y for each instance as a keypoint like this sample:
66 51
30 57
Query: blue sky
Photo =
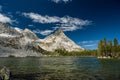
84 21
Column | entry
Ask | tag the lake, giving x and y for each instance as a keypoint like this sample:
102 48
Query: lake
62 68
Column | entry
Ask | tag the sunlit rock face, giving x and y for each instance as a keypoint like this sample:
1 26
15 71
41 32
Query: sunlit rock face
22 43
59 40
18 42
7 31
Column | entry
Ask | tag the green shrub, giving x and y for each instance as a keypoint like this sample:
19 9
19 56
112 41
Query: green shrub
11 56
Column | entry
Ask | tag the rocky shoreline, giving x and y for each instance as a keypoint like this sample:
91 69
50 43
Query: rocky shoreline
4 73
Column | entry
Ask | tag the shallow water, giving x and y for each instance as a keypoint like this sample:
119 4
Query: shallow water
62 68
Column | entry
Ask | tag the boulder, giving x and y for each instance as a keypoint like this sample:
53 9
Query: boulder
4 73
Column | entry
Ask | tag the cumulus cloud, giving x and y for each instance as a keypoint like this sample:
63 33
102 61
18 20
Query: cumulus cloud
41 19
59 1
65 23
5 19
43 32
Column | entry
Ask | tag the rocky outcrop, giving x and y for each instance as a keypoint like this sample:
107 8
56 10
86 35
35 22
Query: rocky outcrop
6 30
30 35
4 73
18 42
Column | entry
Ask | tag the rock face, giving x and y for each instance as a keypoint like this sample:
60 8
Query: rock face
59 40
18 42
4 73
7 31
22 43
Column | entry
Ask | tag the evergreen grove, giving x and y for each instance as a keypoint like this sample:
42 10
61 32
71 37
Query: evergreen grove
109 48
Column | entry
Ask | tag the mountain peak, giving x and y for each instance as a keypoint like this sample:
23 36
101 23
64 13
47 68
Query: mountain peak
59 40
6 29
28 33
59 32
13 39
27 30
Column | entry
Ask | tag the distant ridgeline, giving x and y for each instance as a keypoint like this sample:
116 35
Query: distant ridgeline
15 42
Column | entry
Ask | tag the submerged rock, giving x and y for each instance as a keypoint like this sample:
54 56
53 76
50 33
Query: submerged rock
4 73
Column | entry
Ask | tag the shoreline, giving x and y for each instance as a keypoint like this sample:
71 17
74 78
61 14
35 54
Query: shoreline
99 57
104 57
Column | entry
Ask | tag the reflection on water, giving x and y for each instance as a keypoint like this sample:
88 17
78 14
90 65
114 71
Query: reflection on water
110 69
62 68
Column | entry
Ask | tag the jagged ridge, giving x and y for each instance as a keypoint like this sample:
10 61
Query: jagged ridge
18 42
59 40
21 43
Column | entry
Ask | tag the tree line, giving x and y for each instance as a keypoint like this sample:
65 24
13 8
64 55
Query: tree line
108 48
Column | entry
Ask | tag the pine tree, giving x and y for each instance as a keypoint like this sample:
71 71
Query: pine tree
109 48
105 47
100 48
115 42
115 47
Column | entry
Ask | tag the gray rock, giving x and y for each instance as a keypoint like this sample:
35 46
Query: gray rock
4 73
59 40
21 43
18 42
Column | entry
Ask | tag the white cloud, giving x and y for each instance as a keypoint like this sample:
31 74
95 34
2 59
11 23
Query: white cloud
30 25
5 19
87 42
68 27
41 19
59 1
66 23
45 32
91 44
0 8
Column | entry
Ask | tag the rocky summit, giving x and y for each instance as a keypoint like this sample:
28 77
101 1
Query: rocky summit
59 40
21 43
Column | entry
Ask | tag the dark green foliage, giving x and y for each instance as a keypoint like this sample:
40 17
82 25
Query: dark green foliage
59 52
115 42
100 48
109 49
85 53
11 56
63 52
31 56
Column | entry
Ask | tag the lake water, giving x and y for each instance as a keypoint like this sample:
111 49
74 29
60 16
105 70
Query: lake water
62 68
